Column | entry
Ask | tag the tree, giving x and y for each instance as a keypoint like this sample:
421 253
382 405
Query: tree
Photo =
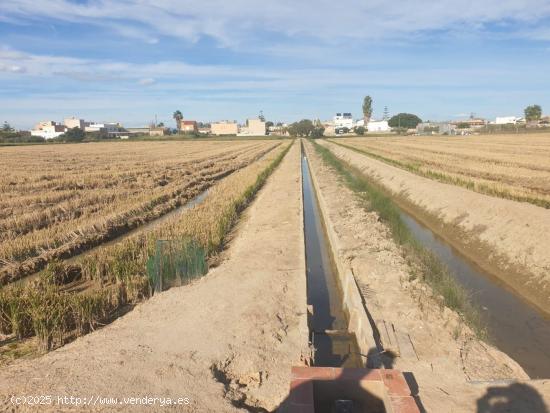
6 127
269 124
367 108
177 116
405 120
360 130
533 113
302 128
73 135
463 125
317 132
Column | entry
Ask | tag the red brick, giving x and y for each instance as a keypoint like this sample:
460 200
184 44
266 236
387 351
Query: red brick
301 392
396 384
404 405
358 374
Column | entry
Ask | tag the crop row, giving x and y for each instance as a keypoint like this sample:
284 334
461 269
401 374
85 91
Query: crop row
30 252
70 300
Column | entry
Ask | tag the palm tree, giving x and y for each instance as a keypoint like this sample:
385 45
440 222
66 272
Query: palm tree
178 117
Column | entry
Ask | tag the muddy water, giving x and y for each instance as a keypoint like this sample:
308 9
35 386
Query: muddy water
334 345
515 327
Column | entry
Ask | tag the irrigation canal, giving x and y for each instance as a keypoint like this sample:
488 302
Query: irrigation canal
514 326
334 345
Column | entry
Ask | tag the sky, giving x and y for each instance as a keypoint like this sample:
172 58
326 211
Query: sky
134 60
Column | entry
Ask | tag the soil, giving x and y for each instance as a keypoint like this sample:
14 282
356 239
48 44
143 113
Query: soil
226 342
508 239
453 369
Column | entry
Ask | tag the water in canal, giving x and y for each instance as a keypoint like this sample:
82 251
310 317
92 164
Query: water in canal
334 345
514 326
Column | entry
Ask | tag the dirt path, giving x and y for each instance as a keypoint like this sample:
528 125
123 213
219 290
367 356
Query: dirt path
227 340
444 357
508 239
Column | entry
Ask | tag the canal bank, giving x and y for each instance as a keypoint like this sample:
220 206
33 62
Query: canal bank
513 325
442 359
328 319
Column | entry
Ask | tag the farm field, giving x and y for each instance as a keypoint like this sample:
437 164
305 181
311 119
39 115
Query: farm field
60 200
515 167
504 237
69 300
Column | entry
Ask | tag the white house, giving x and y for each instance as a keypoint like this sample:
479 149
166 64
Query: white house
101 127
343 120
374 125
378 126
506 120
48 129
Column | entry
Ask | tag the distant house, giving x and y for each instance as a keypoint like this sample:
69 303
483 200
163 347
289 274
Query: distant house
224 128
378 126
48 129
188 126
137 131
472 123
157 131
73 122
254 127
431 128
110 127
507 120
343 121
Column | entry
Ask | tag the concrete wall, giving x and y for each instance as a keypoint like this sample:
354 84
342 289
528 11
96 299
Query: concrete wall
352 301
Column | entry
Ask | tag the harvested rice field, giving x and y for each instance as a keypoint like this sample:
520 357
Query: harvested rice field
69 299
59 200
507 166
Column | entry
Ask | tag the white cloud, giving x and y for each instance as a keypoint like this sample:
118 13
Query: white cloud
238 21
146 81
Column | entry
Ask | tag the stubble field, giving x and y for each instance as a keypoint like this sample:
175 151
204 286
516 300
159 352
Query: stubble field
70 198
62 199
507 166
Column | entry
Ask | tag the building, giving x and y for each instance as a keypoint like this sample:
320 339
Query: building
508 120
378 126
343 121
137 131
101 127
433 128
254 127
157 131
48 129
472 122
73 122
188 126
225 128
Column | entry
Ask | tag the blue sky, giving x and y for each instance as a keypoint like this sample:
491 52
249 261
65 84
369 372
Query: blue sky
129 60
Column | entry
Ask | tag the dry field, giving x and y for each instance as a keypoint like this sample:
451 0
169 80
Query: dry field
508 166
59 200
66 301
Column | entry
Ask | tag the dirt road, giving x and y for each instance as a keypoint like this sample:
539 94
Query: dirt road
506 238
227 340
444 357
